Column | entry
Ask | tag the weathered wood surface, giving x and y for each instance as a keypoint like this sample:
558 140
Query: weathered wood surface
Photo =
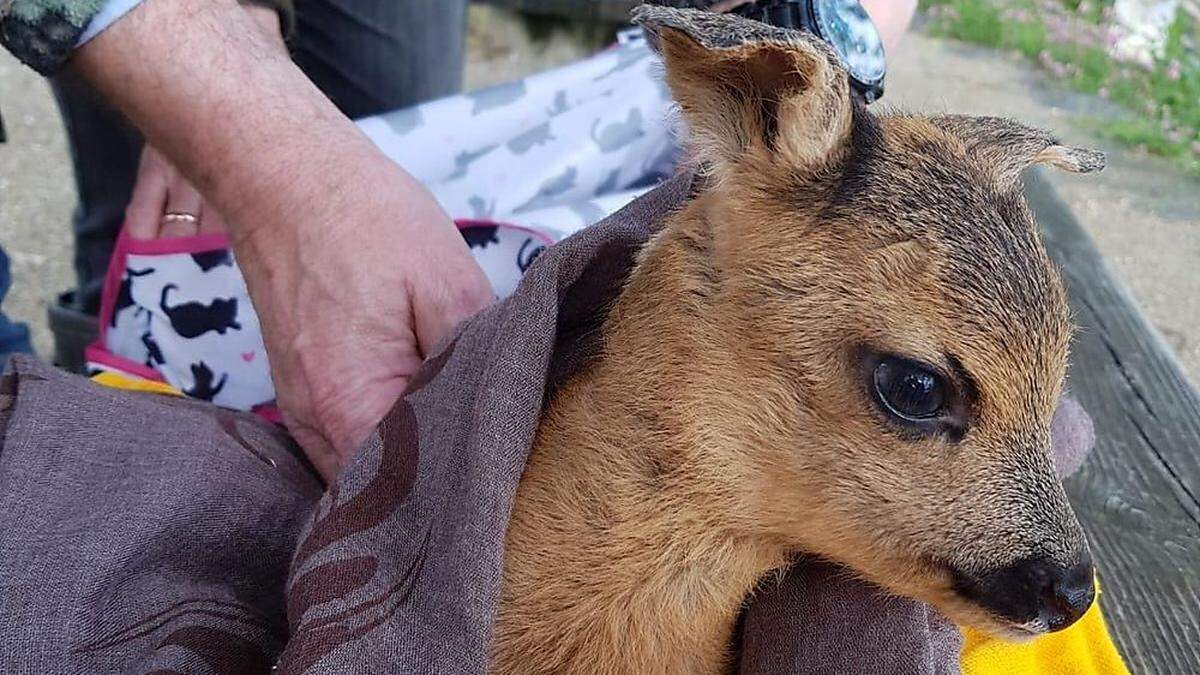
1138 495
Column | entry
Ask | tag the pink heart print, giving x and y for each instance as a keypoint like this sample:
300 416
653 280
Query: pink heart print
247 356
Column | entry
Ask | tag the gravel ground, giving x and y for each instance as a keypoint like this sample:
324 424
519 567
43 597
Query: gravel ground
1143 214
37 193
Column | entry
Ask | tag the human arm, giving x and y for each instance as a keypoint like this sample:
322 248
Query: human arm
160 188
353 267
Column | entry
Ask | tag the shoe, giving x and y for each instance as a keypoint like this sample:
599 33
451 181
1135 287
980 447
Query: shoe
73 331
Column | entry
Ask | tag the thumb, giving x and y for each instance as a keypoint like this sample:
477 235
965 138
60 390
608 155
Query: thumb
317 449
455 298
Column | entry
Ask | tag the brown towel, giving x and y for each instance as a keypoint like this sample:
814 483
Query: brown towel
147 534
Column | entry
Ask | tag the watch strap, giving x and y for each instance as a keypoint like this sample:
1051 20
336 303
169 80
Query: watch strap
782 13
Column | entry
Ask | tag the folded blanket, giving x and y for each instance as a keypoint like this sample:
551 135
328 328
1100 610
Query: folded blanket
147 533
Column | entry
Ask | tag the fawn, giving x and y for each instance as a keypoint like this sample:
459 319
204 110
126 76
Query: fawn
848 342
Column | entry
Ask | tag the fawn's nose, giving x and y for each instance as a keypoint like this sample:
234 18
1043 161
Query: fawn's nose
1035 593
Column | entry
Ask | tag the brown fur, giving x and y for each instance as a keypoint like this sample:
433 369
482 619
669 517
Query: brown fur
727 424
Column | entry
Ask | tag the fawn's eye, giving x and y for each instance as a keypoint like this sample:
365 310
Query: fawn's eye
909 390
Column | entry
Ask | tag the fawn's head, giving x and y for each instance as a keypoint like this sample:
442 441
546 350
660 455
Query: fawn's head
896 336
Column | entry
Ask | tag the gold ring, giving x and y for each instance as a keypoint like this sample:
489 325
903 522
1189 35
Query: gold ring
179 217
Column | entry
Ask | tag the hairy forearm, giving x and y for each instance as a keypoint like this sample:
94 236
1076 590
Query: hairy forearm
207 87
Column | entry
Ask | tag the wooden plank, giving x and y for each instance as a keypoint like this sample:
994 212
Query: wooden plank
1139 493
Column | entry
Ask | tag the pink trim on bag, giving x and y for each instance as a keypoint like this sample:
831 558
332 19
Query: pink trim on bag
269 412
198 243
202 243
112 282
98 354
464 223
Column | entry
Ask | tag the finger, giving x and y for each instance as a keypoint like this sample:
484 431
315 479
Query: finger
144 212
459 297
182 200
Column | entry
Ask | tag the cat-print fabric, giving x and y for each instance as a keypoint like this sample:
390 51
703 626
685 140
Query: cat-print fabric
521 165
177 310
554 152
503 251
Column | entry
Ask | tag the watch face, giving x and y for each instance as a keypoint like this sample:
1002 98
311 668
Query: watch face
845 24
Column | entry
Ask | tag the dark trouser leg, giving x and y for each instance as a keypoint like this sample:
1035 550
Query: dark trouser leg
14 337
371 56
105 152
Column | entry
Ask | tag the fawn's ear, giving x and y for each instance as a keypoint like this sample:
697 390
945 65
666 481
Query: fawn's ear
747 88
1007 147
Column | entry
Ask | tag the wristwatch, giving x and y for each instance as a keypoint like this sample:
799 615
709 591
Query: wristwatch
844 24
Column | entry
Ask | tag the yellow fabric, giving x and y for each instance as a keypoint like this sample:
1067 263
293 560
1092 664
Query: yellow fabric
118 381
1083 649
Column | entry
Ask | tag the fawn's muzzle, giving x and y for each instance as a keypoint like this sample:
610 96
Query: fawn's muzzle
1035 594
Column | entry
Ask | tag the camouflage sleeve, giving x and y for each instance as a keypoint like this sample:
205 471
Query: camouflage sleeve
42 33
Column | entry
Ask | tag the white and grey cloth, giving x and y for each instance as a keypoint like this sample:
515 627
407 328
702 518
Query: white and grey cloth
555 151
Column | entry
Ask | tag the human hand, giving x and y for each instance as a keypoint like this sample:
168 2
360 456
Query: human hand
891 17
352 306
348 316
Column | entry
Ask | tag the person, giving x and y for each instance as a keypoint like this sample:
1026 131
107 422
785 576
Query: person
367 57
353 267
